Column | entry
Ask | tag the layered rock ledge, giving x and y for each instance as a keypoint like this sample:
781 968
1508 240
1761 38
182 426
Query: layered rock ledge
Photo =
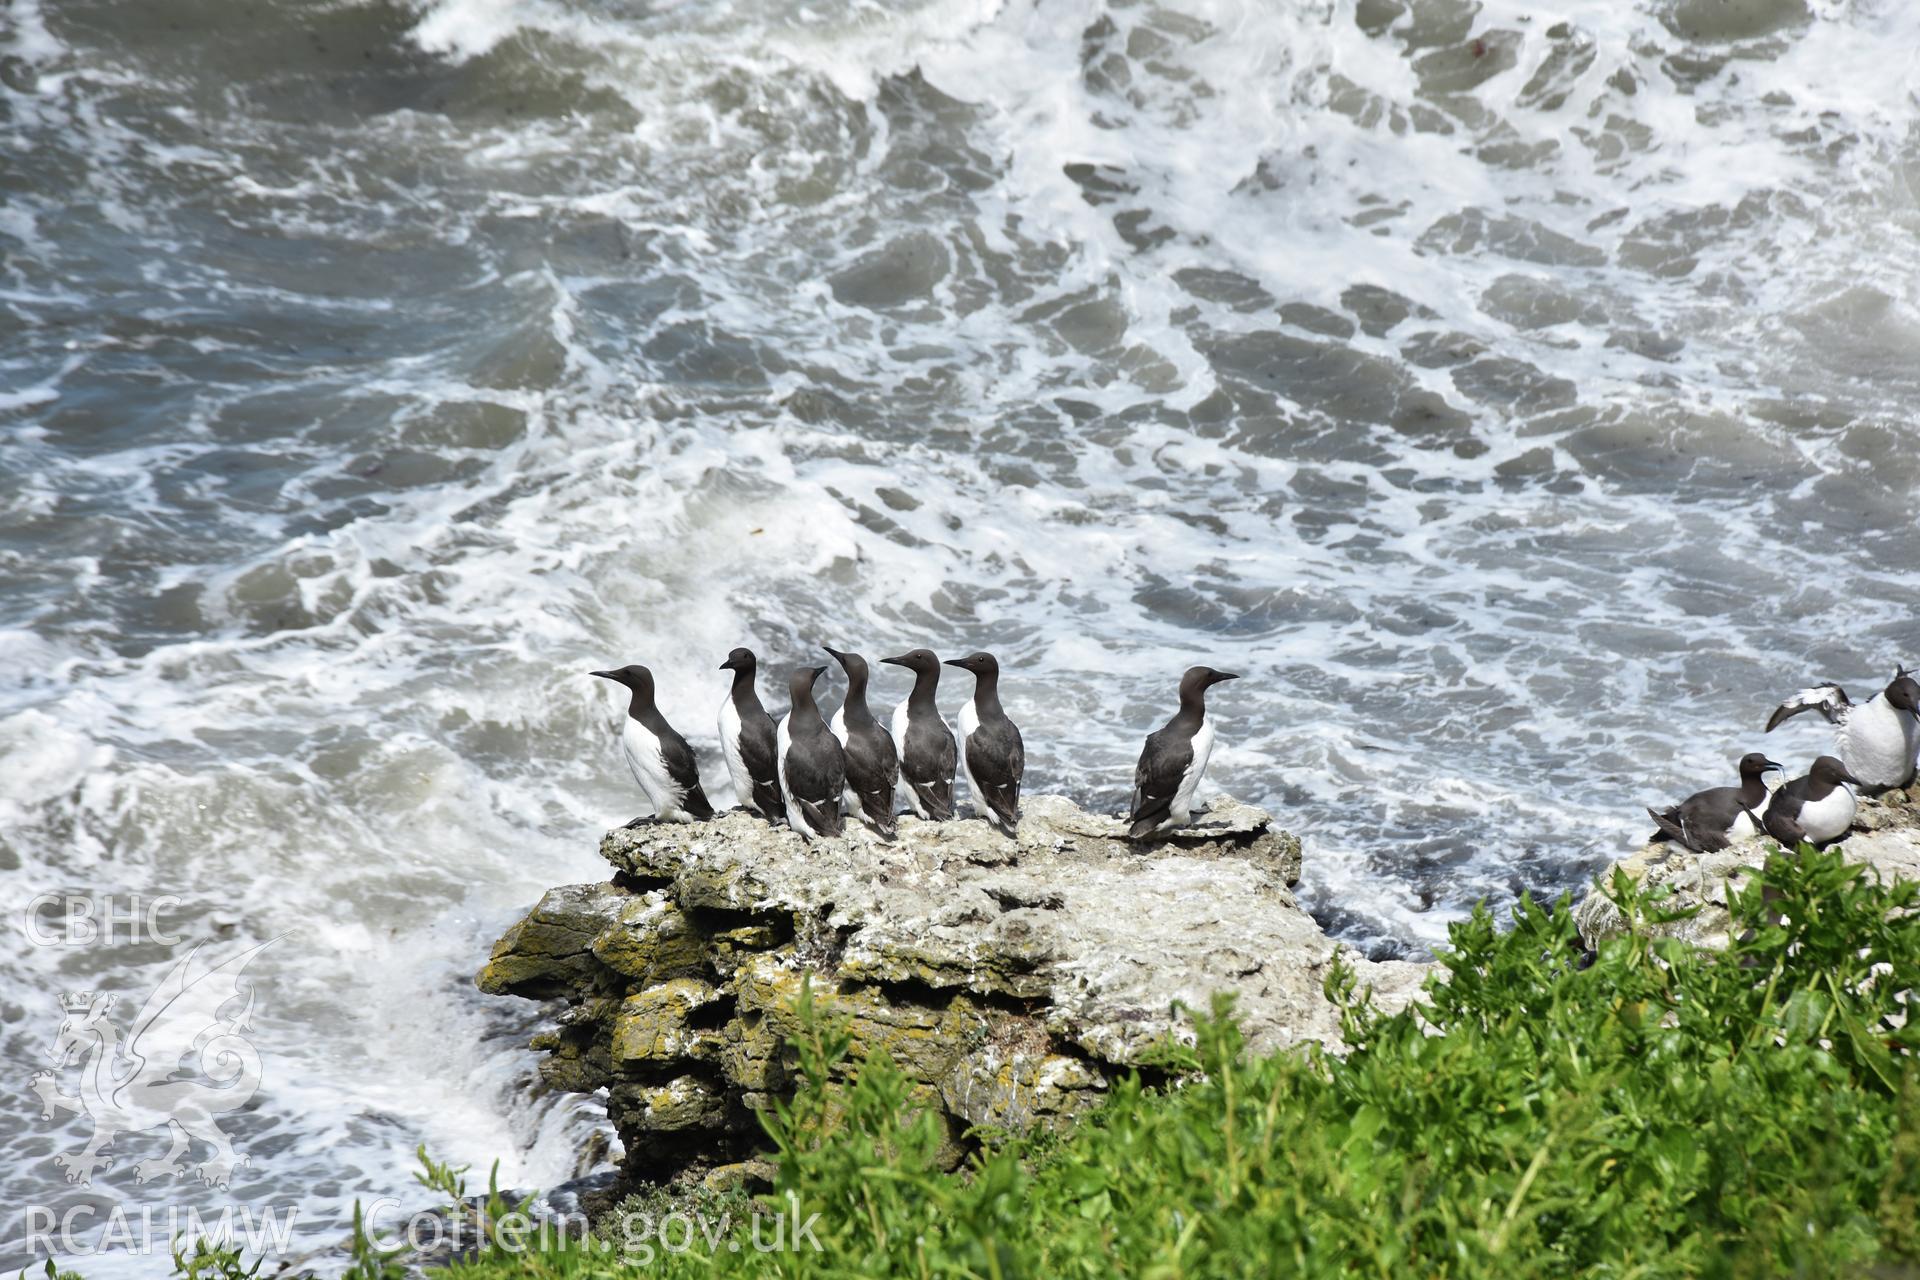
1012 978
1885 837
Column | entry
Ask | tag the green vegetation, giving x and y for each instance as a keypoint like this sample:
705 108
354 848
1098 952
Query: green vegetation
1660 1112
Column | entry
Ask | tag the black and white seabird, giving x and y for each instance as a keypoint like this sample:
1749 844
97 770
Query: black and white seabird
927 750
749 742
813 771
873 767
1174 758
1817 808
1708 821
990 748
1878 739
661 760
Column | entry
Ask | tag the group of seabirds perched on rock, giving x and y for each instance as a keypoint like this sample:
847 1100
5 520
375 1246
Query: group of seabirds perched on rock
1877 741
803 770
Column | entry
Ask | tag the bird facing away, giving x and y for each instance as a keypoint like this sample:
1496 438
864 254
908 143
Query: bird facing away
661 760
1877 739
990 748
873 767
749 742
1174 758
927 750
813 772
1817 808
1708 821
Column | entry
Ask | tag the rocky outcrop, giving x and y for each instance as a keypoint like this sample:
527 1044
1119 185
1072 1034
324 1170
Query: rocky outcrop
1885 836
1012 978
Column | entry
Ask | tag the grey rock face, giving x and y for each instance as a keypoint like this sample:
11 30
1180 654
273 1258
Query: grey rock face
1011 978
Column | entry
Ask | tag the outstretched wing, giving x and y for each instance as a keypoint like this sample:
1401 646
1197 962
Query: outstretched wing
182 1009
1828 699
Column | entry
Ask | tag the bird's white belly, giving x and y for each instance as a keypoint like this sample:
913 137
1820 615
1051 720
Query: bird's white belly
1743 827
969 724
649 767
838 728
899 725
1878 742
730 751
1182 806
1829 818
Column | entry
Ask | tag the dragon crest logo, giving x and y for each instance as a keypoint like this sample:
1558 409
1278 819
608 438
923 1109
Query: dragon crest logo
142 1082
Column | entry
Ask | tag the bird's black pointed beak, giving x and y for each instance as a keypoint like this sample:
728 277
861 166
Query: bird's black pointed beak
955 662
900 661
818 672
838 656
605 675
1773 766
1847 776
1221 676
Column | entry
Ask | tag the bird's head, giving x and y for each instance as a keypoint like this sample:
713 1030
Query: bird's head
852 663
1904 692
918 661
1200 679
1829 770
633 676
981 664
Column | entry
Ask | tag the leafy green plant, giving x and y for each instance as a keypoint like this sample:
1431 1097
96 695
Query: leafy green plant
486 1217
212 1262
371 1258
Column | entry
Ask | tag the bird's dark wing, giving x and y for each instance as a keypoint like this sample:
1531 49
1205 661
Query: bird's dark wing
816 774
1668 820
928 758
873 770
684 769
1156 779
1782 819
997 758
760 752
1707 816
823 816
1828 699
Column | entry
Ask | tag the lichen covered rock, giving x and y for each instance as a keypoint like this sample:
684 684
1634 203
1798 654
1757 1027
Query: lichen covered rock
1010 977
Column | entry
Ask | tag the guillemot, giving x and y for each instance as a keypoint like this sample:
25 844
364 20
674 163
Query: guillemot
1877 739
749 742
873 766
1708 821
813 771
990 748
927 750
1174 758
661 761
1817 808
